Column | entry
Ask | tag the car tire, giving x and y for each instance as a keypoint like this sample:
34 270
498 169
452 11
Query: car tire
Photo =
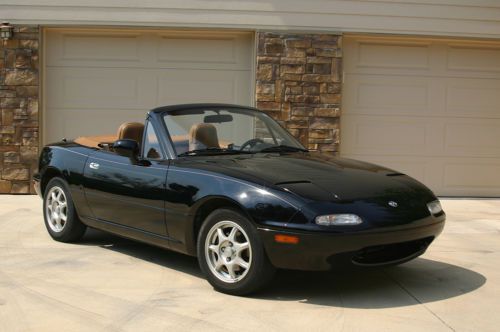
59 212
223 255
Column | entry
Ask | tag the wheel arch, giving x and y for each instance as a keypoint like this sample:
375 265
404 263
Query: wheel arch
49 174
203 209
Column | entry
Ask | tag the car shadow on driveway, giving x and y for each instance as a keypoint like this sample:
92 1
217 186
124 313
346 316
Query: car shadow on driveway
419 281
163 257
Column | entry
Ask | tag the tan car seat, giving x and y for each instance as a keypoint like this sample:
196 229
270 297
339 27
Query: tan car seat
131 130
202 136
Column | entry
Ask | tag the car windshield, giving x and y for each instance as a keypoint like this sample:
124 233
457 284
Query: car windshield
217 130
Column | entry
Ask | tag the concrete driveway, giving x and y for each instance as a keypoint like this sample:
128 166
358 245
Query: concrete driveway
111 284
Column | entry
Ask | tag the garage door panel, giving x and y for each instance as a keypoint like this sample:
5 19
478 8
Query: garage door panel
485 134
422 57
478 175
87 122
435 137
219 50
370 132
480 57
149 49
404 96
98 88
473 98
98 78
203 86
386 135
203 49
392 95
401 95
439 124
383 53
71 48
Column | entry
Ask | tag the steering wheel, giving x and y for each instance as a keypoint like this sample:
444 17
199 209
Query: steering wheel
251 143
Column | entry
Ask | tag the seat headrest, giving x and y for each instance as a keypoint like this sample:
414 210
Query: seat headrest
131 130
203 135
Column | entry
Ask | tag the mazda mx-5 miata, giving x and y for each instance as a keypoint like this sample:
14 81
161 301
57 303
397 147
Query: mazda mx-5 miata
229 185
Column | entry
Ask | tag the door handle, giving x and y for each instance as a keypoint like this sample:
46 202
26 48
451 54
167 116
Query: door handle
94 165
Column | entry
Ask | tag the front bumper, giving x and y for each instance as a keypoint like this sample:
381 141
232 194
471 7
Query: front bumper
323 251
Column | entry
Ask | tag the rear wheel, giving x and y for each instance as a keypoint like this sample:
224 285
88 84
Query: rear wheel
231 254
59 214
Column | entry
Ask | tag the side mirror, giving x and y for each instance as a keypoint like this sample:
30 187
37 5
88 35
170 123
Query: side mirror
127 148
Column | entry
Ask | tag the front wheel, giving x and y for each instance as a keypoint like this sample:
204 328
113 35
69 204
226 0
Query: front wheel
231 254
60 216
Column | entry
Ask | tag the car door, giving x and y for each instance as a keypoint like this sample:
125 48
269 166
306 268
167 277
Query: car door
129 192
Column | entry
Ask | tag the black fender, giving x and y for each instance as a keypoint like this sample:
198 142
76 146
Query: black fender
68 162
202 192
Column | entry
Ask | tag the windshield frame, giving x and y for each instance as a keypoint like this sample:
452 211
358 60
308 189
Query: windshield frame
195 108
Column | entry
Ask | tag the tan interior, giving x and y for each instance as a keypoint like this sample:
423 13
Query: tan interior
131 130
127 130
94 141
203 135
134 130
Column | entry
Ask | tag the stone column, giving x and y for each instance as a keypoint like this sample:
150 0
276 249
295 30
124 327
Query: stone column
299 84
19 82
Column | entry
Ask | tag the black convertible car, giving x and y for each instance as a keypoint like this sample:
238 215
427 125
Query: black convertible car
228 184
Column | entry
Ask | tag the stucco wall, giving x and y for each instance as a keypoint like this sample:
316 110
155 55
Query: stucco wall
480 18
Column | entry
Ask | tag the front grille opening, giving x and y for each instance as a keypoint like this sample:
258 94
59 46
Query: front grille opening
393 253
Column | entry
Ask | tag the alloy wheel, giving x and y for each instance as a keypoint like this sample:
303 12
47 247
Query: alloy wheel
228 251
56 209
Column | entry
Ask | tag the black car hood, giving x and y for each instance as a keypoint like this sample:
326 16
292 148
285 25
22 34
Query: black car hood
318 176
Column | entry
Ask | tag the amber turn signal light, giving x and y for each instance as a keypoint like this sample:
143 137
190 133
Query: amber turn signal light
280 238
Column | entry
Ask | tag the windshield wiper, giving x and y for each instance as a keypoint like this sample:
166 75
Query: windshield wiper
208 151
283 148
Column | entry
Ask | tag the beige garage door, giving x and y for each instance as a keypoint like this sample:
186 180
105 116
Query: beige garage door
427 107
97 79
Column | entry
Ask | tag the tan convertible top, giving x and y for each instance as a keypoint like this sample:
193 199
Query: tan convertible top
94 141
130 130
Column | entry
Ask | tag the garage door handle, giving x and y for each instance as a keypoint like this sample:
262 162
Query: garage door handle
94 165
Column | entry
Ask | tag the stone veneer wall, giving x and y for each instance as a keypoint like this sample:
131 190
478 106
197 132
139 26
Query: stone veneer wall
299 84
19 110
